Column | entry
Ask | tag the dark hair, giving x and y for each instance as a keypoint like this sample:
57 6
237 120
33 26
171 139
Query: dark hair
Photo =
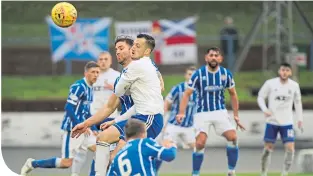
90 65
134 128
124 38
285 64
191 68
149 40
216 49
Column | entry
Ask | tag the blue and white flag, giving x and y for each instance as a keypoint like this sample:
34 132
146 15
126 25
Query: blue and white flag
85 40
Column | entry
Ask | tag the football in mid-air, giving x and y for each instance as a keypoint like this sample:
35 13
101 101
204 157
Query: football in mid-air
64 14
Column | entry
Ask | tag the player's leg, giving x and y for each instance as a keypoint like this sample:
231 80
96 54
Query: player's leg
287 136
270 136
66 161
104 139
201 121
170 133
224 127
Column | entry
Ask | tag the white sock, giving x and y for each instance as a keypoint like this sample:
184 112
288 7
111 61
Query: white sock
266 160
102 158
78 161
289 156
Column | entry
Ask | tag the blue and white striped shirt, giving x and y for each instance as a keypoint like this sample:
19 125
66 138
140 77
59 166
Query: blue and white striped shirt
136 158
210 87
174 97
125 100
77 107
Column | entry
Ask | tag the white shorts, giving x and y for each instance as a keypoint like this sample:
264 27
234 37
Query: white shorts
185 135
70 146
219 120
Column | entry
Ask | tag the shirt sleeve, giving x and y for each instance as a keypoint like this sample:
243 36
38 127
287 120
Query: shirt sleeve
298 104
75 95
128 77
230 83
262 95
173 94
194 80
153 149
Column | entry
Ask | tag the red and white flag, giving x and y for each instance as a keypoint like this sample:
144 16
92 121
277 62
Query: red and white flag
175 41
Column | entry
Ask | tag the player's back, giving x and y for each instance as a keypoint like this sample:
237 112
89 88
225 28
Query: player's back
101 93
78 103
175 96
146 90
210 87
136 158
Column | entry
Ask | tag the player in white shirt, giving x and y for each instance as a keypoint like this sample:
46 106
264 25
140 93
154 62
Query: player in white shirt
281 93
103 88
141 79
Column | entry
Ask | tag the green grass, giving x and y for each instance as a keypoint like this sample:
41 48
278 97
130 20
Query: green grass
239 174
56 87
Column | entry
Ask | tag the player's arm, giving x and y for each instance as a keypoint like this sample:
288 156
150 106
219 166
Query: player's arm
111 170
75 95
262 96
230 85
298 106
161 80
104 112
128 77
121 143
128 114
155 150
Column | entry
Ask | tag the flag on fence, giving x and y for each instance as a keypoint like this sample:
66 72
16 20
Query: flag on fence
85 40
175 41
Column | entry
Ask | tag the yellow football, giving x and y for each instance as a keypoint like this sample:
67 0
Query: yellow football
64 14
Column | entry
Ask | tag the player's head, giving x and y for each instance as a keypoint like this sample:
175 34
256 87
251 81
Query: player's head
135 128
123 45
284 71
212 57
104 61
143 46
189 72
92 70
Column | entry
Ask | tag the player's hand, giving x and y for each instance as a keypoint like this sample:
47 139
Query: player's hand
87 132
79 129
180 118
168 143
106 125
300 126
267 113
239 125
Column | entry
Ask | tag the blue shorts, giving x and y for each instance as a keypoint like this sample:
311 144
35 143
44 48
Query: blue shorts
286 133
154 124
105 120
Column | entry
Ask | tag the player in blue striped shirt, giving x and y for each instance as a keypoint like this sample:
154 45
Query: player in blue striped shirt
184 131
77 110
210 83
136 157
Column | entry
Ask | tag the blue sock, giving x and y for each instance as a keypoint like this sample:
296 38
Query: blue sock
197 159
158 164
47 163
92 169
232 156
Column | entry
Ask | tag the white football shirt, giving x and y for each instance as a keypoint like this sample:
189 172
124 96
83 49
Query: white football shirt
141 79
281 97
101 94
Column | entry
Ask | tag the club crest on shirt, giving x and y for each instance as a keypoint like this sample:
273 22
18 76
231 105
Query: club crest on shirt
223 77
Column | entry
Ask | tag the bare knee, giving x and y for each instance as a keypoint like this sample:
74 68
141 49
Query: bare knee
269 146
200 141
66 162
109 135
231 136
290 147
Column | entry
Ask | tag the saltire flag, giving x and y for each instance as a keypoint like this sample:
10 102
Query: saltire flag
175 41
85 40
